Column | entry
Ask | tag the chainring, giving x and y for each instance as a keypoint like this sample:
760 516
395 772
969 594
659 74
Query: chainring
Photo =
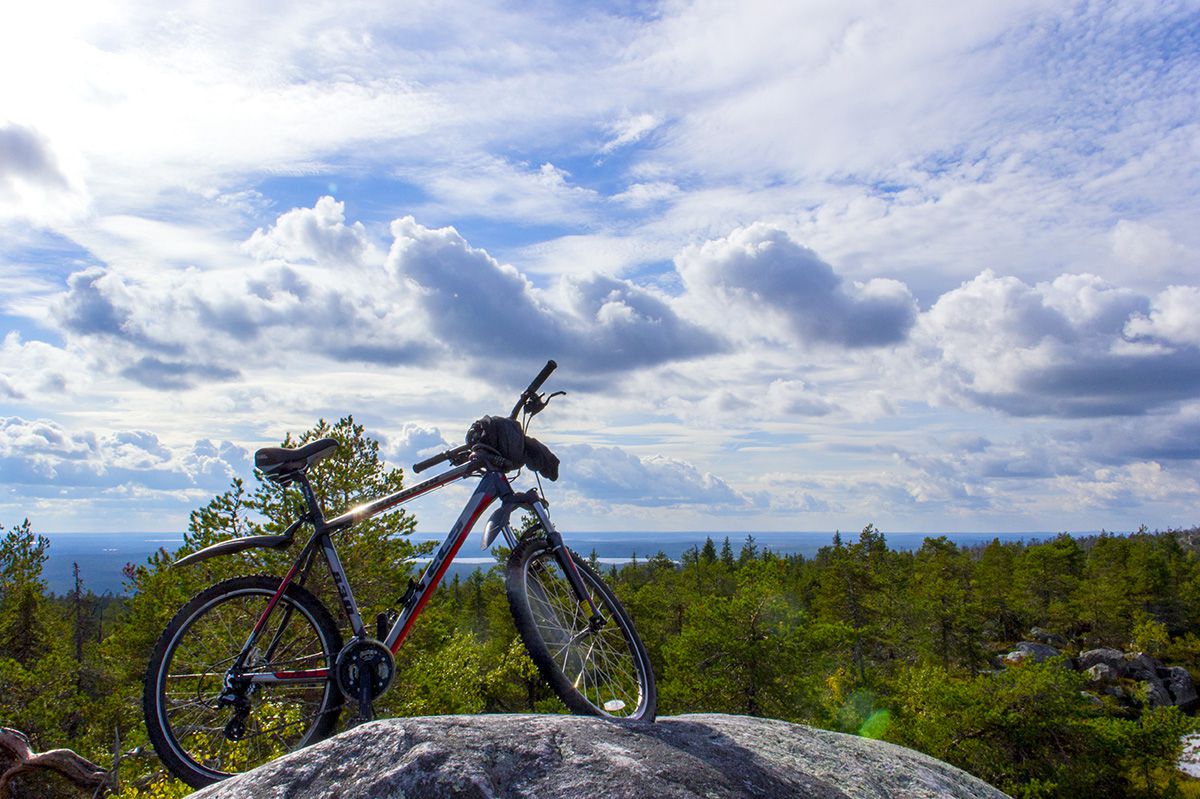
364 663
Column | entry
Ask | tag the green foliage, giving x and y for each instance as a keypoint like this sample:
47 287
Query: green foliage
1150 636
1001 727
740 653
860 638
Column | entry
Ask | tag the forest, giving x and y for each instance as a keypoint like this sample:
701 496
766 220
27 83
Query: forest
903 646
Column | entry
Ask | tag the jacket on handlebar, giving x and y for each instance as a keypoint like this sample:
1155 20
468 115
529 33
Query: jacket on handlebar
513 447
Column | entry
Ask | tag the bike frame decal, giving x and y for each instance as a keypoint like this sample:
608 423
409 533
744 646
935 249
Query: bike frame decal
342 584
492 485
313 675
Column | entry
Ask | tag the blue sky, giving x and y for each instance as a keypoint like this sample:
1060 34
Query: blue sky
804 266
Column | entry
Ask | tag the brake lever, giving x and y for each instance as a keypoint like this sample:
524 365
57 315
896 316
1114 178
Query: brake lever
536 403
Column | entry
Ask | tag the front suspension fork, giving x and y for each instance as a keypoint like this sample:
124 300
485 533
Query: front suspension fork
567 563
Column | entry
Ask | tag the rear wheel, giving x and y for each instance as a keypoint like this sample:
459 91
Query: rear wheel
597 670
202 737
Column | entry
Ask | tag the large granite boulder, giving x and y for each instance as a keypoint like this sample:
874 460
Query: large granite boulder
1141 667
1183 689
570 756
1113 658
1102 674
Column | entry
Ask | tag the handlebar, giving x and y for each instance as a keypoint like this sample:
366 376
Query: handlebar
448 455
533 387
458 452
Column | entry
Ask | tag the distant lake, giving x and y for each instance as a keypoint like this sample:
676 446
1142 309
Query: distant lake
102 556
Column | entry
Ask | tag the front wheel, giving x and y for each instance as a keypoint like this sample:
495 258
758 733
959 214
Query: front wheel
595 670
207 722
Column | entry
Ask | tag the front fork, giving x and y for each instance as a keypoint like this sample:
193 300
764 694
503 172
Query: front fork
567 563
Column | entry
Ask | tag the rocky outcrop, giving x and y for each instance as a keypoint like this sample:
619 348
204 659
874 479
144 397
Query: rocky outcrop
570 756
1047 637
1181 687
1106 668
1102 674
1031 650
1113 658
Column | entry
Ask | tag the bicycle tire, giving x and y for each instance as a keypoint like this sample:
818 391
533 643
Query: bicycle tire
604 673
196 647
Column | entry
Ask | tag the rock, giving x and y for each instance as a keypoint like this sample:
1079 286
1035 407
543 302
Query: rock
1113 658
1140 667
1102 674
1189 758
1028 650
1047 637
1183 690
1157 694
548 757
1118 693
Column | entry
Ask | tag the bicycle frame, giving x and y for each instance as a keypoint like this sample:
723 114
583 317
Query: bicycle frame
492 486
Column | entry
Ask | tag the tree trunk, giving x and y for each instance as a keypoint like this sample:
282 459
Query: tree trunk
18 758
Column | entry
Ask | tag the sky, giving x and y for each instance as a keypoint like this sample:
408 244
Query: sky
803 266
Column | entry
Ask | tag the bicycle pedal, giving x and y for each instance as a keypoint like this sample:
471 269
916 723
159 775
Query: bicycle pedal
384 622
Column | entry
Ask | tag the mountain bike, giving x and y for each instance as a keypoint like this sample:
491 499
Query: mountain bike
254 667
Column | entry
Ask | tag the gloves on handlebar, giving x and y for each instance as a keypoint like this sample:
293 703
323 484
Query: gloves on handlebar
514 448
539 458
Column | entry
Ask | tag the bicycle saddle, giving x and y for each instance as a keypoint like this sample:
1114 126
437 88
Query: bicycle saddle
282 463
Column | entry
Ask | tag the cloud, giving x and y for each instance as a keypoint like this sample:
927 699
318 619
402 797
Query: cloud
315 291
495 188
1144 246
1168 438
613 475
759 268
32 368
1131 485
1055 349
413 443
25 157
644 195
34 183
43 456
484 308
166 375
318 287
629 129
90 305
1174 317
311 235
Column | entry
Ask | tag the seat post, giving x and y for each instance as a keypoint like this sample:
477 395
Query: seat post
310 497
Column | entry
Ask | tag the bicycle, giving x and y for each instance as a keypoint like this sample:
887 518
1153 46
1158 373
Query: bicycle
255 666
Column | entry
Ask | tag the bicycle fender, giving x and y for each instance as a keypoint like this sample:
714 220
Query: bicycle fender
500 517
234 545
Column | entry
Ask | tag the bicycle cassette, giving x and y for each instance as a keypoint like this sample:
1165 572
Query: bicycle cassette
364 665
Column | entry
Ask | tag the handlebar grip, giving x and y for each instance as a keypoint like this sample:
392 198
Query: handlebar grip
434 461
448 455
542 375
